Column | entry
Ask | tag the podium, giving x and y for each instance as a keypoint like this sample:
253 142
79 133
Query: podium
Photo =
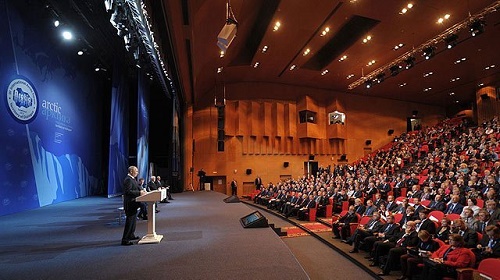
152 197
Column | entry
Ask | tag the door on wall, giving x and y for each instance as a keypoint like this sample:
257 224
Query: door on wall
219 184
310 167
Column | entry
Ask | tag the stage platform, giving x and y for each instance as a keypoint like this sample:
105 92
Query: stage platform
203 239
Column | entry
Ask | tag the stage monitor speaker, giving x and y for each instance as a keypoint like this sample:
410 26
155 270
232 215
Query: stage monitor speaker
231 199
286 164
254 220
249 171
311 157
390 132
368 142
226 36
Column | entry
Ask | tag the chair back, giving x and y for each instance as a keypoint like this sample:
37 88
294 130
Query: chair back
488 268
436 215
453 217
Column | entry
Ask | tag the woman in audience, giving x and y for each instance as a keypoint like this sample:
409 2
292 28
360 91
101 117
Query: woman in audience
445 261
443 232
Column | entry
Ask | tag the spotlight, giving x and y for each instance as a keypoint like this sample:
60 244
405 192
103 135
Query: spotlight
67 35
80 52
57 23
395 69
410 62
477 27
368 83
380 78
451 41
428 52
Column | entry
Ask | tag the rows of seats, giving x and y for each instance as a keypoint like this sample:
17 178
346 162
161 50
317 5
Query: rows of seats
451 169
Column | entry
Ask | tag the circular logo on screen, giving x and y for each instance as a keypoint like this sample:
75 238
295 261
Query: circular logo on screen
22 99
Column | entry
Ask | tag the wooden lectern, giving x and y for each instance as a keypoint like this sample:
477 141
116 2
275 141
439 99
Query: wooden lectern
152 197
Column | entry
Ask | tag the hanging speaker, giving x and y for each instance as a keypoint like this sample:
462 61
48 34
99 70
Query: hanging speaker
368 142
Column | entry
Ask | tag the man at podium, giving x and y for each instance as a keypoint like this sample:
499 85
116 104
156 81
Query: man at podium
131 190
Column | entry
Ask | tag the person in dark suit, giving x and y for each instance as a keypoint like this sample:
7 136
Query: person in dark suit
388 230
483 221
152 184
424 223
143 212
409 262
131 190
391 204
370 208
342 227
437 204
469 235
359 207
202 175
489 246
454 207
373 226
443 231
234 187
301 213
258 183
491 207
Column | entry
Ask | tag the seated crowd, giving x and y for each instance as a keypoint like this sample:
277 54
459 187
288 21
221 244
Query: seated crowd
426 203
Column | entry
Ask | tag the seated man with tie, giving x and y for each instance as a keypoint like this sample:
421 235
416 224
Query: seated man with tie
469 235
394 247
454 207
370 208
388 230
304 210
363 231
489 246
342 227
445 261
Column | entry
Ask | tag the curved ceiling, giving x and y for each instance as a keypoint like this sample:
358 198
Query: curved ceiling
196 24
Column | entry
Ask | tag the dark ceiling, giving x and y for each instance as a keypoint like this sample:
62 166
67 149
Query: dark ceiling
196 24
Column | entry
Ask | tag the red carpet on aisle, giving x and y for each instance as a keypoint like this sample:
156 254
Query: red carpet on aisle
316 227
294 232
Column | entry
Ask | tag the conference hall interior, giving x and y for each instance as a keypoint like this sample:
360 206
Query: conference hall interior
257 139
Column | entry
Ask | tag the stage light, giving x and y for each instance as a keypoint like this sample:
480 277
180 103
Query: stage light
410 62
380 78
67 35
395 69
80 52
477 27
451 41
428 52
57 23
369 83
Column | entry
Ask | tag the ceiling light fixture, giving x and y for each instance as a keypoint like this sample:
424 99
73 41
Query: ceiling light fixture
410 62
451 41
324 72
67 35
428 52
277 26
222 53
402 84
293 67
380 78
344 57
256 64
477 27
264 49
456 28
306 52
398 46
57 23
368 38
369 83
395 69
325 31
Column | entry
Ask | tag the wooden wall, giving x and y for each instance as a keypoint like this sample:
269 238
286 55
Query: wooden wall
263 133
487 104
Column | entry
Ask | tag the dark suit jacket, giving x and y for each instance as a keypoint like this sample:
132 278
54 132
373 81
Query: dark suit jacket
437 205
429 226
349 218
496 248
392 231
457 210
470 238
391 206
131 190
360 209
152 186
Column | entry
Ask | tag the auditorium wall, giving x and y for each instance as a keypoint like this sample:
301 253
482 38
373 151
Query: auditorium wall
263 131
50 111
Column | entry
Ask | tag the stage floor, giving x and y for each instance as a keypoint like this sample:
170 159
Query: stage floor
203 238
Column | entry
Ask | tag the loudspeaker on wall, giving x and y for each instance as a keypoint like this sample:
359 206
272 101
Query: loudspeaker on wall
286 164
390 132
311 157
368 142
249 171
